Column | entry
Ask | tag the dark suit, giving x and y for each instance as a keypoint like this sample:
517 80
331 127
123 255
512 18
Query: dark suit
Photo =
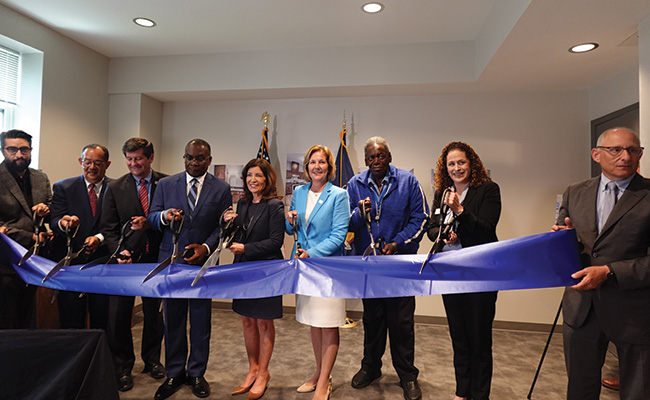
122 201
470 315
203 227
262 233
71 198
618 310
17 300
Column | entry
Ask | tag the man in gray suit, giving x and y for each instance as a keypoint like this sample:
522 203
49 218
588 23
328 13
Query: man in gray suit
23 192
611 301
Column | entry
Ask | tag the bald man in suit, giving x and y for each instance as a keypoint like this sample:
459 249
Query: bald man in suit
610 302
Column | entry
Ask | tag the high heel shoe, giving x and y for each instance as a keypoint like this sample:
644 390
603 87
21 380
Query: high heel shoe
329 389
242 389
256 395
306 388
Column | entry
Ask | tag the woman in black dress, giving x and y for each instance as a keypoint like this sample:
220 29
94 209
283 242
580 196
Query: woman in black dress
475 202
260 218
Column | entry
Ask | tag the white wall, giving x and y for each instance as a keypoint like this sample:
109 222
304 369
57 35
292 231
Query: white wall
75 93
644 89
617 92
534 145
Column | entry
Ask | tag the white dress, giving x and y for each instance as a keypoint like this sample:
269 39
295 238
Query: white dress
320 312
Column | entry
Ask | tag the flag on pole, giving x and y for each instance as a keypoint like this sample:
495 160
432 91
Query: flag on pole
344 169
263 151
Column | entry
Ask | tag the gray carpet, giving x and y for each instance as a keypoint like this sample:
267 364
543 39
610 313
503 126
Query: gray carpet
516 355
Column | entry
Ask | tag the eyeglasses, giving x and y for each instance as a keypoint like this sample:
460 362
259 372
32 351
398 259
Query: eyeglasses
617 151
97 163
13 150
198 159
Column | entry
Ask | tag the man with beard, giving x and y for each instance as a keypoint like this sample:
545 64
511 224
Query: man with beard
23 192
398 211
76 204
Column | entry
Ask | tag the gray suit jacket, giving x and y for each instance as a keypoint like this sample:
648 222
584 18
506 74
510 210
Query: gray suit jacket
15 213
622 305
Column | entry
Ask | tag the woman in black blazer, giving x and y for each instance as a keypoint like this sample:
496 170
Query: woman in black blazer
260 218
475 201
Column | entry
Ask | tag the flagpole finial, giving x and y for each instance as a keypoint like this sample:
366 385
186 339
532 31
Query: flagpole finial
266 118
344 121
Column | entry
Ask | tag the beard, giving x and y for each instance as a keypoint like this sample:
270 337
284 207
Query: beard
19 166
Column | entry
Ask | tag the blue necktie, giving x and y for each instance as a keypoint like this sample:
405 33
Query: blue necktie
608 200
191 196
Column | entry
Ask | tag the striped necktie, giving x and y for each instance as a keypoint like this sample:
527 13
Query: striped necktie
144 196
191 196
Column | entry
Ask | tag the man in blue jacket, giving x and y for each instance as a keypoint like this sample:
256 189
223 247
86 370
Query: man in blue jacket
398 214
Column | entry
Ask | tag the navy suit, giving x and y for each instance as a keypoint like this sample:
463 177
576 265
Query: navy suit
201 227
71 198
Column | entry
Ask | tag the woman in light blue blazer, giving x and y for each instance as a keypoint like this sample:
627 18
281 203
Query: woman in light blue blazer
320 212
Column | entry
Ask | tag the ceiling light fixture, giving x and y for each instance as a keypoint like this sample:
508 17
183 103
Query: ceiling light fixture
144 22
583 48
372 8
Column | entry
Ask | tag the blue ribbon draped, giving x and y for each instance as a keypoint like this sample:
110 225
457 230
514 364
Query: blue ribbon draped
530 262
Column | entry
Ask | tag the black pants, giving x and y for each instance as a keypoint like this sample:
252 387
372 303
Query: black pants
16 303
120 339
392 316
176 350
470 317
73 309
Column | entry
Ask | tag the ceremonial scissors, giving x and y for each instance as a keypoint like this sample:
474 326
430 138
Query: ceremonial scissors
124 234
443 231
70 254
364 211
226 237
176 227
294 228
38 225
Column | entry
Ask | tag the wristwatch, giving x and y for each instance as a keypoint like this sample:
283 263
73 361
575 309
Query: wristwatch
610 274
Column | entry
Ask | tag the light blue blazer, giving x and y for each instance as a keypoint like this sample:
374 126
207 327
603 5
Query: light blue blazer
324 233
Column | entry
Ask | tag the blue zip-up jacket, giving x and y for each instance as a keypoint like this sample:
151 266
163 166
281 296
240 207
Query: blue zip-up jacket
403 215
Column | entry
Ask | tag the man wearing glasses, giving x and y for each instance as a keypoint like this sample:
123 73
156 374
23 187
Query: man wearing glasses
76 210
611 301
23 192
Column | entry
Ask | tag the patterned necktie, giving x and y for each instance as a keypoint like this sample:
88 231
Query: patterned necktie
608 201
144 196
191 196
92 198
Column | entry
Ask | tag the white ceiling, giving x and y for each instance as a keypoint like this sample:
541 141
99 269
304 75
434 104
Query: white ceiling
530 55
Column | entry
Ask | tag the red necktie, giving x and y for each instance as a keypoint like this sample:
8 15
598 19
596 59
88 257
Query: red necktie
92 198
144 201
144 196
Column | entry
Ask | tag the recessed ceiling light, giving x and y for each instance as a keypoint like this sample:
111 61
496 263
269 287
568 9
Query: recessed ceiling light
372 8
583 48
144 22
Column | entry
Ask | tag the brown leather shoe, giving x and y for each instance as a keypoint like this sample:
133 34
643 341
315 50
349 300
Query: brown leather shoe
611 383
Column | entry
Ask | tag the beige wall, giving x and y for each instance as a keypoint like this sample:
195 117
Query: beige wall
75 94
533 144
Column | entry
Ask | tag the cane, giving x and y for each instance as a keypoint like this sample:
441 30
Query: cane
548 342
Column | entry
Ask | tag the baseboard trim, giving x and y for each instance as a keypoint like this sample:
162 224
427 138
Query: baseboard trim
419 319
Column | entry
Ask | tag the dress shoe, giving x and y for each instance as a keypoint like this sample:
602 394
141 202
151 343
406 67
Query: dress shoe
124 382
200 387
156 370
256 395
170 387
306 388
611 383
411 390
242 389
364 378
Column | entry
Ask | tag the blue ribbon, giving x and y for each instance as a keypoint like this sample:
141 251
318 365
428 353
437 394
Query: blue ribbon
530 262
